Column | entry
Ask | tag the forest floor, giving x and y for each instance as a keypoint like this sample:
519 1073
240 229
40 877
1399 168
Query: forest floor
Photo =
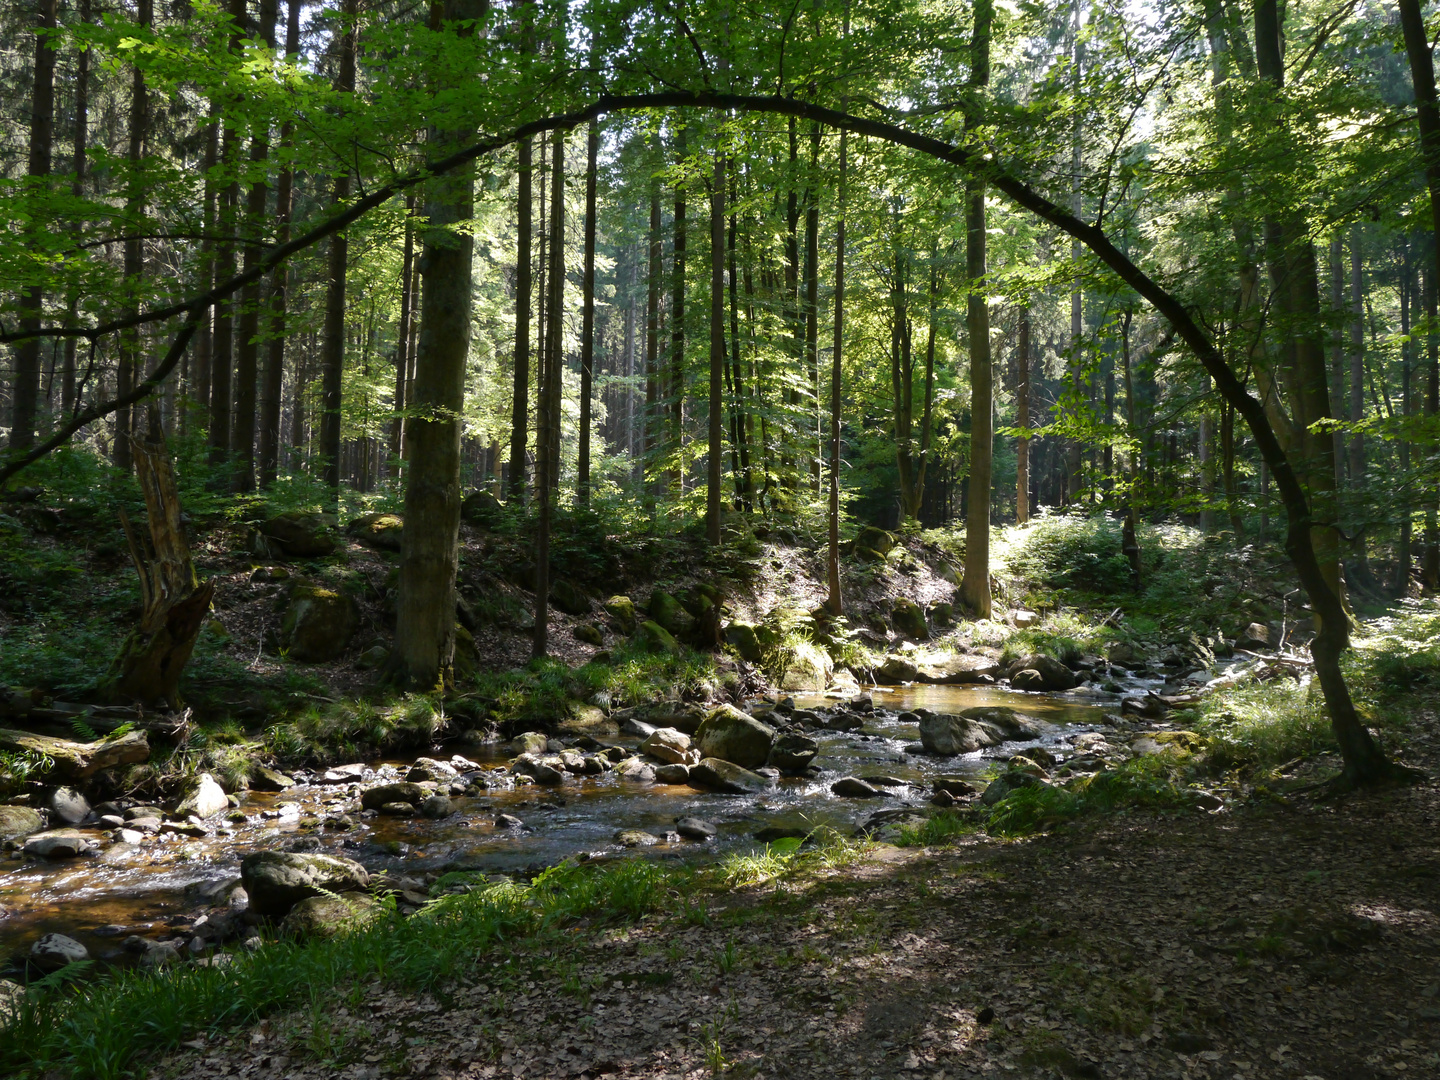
1295 937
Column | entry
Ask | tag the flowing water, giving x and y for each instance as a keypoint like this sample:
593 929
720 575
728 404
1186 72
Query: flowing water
145 889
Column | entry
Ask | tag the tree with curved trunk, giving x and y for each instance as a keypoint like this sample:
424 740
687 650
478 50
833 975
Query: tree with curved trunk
430 543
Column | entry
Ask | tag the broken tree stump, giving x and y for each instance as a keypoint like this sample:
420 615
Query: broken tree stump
148 667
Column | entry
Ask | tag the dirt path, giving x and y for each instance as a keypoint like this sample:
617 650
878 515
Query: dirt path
1285 941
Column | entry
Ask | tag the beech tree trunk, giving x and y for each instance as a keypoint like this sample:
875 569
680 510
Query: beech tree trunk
430 541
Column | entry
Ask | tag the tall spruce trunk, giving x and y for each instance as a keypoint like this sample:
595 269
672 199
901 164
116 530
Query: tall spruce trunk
547 451
26 387
520 392
587 319
676 389
716 432
68 403
430 544
128 359
975 584
651 422
402 338
1022 416
332 348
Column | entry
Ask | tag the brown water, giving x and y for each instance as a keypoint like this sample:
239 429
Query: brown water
148 888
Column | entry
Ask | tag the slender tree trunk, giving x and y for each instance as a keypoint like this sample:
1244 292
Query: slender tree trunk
812 296
205 336
1074 460
222 336
402 338
68 402
1022 416
547 451
247 345
652 340
128 358
1357 366
975 584
587 321
677 326
1431 569
834 600
332 349
1401 586
26 387
429 555
520 398
716 418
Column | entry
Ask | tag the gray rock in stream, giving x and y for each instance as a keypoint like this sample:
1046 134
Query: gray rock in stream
60 844
712 774
18 821
693 828
278 880
850 787
68 805
54 951
731 735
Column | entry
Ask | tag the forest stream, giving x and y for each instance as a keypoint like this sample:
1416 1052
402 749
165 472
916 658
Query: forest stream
161 887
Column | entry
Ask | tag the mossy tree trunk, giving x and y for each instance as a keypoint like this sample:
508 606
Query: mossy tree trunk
148 667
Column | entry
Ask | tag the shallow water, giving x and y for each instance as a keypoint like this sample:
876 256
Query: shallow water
146 888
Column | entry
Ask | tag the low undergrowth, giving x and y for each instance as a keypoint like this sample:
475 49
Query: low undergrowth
101 1028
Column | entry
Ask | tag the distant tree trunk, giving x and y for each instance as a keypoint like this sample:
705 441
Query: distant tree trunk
332 350
716 439
26 387
975 584
205 336
1431 569
520 397
1022 416
587 328
1357 364
812 298
247 345
1401 586
739 415
222 335
402 337
677 325
148 667
273 384
128 353
547 452
1077 325
429 553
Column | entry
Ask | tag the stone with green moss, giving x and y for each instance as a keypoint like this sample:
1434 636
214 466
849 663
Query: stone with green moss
318 623
654 638
667 613
742 637
908 619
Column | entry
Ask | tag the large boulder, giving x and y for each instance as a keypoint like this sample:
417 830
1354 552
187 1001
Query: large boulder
79 760
793 752
300 534
680 715
908 619
481 508
1004 722
382 531
55 951
741 637
207 800
326 916
276 881
1010 781
384 794
669 614
713 774
622 610
667 745
318 623
569 598
731 735
808 668
654 638
1053 675
946 734
18 821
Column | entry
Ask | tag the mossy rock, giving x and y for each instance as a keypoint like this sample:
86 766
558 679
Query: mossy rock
382 531
653 638
622 610
872 544
300 534
482 508
667 612
570 598
908 619
318 623
742 637
590 634
808 668
326 916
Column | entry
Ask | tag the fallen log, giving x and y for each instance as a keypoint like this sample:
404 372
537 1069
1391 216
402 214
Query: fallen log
79 760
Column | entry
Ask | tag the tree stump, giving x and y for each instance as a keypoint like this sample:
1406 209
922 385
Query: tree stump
148 667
